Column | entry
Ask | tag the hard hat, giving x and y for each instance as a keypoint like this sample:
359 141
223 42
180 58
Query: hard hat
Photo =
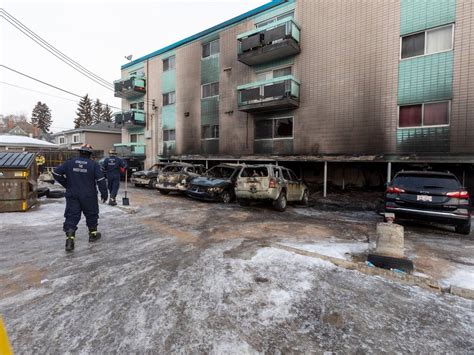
86 148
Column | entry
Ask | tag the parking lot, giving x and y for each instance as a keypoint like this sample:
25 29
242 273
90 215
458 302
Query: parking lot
176 275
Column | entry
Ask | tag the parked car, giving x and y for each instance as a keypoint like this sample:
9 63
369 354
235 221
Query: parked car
431 196
148 177
270 182
176 177
216 185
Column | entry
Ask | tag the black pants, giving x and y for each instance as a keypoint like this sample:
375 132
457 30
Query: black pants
88 205
113 185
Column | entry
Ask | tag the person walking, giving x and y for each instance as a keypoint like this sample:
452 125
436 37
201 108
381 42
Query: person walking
113 166
81 177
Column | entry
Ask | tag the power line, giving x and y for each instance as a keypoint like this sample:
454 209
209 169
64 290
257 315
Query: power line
39 92
53 50
53 86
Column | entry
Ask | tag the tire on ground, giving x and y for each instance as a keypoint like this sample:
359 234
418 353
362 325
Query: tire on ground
55 194
163 192
42 191
243 202
464 228
226 196
280 203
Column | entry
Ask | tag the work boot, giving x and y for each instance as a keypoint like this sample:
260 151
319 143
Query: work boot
94 235
112 201
70 236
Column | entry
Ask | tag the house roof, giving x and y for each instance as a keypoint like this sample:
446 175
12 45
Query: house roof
12 140
210 30
16 160
102 127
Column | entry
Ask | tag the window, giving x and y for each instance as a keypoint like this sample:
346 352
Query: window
210 48
210 132
169 135
137 106
75 138
140 73
271 74
274 128
424 115
169 63
133 138
290 14
428 42
259 171
62 140
169 98
209 90
286 175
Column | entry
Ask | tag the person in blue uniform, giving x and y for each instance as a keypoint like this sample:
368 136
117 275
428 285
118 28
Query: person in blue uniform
81 177
112 166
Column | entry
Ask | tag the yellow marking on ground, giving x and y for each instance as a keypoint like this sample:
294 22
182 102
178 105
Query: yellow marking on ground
5 348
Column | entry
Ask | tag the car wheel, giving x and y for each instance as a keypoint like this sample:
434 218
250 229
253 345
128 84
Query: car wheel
164 192
152 183
280 203
226 196
305 199
243 202
42 191
463 228
137 185
55 194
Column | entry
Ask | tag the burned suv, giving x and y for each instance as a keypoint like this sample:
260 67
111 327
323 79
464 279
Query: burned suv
216 185
431 196
148 177
272 183
176 177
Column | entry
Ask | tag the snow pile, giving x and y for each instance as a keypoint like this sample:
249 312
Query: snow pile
462 277
332 248
23 140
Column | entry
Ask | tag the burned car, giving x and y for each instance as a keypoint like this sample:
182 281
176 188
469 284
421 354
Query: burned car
217 184
176 177
147 178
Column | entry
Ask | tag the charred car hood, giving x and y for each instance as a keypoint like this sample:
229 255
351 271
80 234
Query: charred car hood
209 181
147 173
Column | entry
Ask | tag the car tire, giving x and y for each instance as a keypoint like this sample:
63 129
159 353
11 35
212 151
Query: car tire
137 185
305 198
163 192
464 228
152 183
226 196
42 191
280 203
243 202
55 194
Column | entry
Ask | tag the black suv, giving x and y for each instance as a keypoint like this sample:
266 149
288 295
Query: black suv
431 196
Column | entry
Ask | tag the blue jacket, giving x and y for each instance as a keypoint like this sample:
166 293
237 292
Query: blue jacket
80 176
112 167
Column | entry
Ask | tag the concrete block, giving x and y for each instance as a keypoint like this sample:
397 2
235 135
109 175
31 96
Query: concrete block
390 240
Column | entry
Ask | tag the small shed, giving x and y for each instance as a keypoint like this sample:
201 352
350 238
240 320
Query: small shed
18 181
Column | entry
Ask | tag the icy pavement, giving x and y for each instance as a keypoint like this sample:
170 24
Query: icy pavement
189 277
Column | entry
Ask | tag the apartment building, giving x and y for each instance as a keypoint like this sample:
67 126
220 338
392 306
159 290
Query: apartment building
311 80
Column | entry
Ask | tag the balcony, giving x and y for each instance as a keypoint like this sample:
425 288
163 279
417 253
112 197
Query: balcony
276 40
130 149
131 118
130 88
270 95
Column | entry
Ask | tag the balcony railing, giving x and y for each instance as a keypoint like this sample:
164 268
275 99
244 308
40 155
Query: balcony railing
130 118
276 40
275 94
130 88
130 149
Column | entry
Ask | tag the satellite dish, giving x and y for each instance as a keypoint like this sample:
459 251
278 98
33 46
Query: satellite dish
129 57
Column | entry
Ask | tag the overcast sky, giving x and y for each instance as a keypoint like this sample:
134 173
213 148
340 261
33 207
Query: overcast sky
97 34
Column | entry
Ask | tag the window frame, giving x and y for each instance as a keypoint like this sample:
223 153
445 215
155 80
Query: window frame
169 130
207 97
168 61
78 136
423 114
62 140
275 18
211 127
167 93
273 129
211 55
452 25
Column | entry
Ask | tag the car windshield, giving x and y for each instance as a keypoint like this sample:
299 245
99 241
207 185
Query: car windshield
155 168
427 182
259 171
173 169
220 172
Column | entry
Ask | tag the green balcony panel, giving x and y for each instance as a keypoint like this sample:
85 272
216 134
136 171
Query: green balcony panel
418 15
168 81
130 88
210 146
423 140
130 118
210 70
168 116
130 149
270 95
426 78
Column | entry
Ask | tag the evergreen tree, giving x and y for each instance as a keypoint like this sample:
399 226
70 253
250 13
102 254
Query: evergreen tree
97 112
107 114
41 116
84 113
